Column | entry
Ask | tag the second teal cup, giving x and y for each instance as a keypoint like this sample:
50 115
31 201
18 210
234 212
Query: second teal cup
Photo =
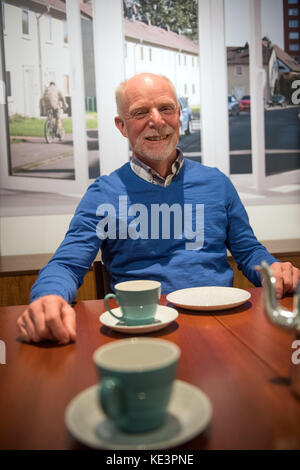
138 301
136 381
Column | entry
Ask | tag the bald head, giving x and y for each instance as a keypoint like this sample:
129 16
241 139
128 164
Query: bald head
138 81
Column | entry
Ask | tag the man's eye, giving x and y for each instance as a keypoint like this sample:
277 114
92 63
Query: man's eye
167 109
140 114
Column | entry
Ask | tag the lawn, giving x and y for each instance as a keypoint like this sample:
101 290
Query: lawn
34 127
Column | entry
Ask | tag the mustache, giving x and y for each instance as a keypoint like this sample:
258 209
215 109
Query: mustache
157 133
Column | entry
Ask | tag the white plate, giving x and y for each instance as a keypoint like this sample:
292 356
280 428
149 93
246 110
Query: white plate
189 413
208 298
163 317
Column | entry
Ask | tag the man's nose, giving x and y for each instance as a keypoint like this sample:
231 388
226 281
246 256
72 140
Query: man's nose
155 117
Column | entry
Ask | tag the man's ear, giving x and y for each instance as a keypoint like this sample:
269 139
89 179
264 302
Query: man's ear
121 126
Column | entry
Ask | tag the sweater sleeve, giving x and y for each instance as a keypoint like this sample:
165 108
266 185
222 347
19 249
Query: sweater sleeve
65 271
241 241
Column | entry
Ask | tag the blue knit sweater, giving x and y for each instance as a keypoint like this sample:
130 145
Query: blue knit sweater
177 234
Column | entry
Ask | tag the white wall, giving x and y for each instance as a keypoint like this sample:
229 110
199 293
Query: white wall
43 234
166 62
21 51
32 234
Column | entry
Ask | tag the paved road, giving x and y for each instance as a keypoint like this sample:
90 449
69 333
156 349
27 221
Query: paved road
282 131
35 157
282 141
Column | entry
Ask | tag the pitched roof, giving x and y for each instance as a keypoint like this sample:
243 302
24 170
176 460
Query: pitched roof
56 8
133 29
286 59
158 36
240 55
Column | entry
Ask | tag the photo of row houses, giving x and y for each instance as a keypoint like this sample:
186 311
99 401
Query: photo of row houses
37 52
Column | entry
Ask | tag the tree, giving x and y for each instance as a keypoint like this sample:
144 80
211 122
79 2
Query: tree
179 16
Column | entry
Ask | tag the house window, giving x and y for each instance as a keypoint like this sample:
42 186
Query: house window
239 70
142 53
294 35
65 31
25 21
294 47
8 84
185 60
292 2
293 11
150 54
125 50
193 88
185 89
179 59
49 28
193 62
293 24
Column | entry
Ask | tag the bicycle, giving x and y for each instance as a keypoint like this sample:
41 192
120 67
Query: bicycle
51 132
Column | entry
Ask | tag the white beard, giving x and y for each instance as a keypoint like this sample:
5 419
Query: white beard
162 152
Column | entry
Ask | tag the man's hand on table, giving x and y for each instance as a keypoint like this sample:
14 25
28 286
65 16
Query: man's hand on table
48 318
287 277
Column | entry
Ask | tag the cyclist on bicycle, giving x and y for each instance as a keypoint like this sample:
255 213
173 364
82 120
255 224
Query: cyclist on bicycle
54 99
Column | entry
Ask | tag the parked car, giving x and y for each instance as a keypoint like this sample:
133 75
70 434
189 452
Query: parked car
186 116
277 100
233 106
245 103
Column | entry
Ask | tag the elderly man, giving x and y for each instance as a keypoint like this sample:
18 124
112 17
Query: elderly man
158 217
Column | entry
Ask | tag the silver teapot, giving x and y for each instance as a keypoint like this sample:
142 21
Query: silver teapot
282 317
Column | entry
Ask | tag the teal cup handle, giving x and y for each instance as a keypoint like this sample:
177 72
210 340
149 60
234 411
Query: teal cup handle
112 296
110 397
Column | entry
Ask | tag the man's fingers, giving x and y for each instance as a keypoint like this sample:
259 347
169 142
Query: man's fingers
28 326
22 330
36 313
48 318
287 274
279 287
296 278
69 320
287 278
54 321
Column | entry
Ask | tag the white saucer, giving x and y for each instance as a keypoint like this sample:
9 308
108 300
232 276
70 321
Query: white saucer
189 413
208 298
164 316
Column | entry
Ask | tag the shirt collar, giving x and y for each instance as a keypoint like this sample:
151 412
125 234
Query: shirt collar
148 174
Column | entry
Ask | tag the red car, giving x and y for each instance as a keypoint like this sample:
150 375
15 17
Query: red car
245 103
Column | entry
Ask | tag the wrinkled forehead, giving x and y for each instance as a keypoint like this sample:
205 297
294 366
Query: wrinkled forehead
147 90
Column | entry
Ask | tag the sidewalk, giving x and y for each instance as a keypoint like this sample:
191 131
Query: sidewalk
32 154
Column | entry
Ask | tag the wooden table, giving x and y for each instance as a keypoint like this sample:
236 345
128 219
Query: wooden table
236 357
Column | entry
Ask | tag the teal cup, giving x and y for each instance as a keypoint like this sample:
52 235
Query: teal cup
138 301
136 380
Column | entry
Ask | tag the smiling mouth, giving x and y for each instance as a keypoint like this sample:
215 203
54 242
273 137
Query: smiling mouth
155 138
